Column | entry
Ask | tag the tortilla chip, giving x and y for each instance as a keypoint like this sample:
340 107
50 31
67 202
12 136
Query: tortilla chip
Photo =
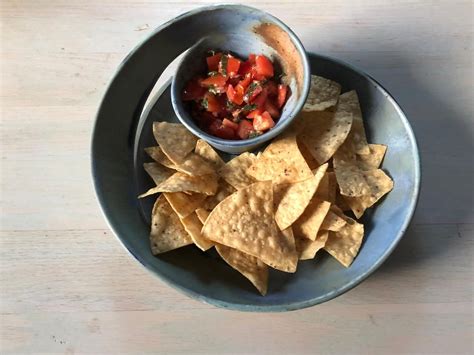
380 184
245 221
249 266
373 160
193 226
350 178
308 225
235 171
157 155
345 244
324 132
174 140
180 182
167 232
290 200
312 163
202 214
341 202
281 162
223 190
205 151
332 222
308 248
184 204
323 94
157 172
349 102
327 187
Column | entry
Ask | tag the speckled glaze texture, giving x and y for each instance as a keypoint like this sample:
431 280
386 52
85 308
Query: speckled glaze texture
123 129
242 31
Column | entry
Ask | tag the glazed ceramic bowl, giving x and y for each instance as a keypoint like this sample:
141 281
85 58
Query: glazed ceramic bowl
242 33
123 129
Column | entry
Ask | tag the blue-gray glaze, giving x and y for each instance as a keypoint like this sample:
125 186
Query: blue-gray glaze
116 167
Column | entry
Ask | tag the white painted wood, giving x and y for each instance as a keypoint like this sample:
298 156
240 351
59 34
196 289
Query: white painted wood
66 286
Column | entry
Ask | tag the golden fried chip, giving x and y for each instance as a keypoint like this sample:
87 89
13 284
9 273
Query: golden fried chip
350 178
184 204
345 244
281 162
235 171
180 182
157 172
290 200
249 266
312 163
309 223
193 226
205 151
323 94
202 214
174 140
167 232
332 222
373 160
223 190
327 187
308 248
157 155
349 102
379 183
324 132
245 221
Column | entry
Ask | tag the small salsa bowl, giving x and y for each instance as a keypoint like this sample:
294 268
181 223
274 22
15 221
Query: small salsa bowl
259 33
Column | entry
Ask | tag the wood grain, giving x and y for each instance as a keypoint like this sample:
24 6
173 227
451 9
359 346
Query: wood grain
66 285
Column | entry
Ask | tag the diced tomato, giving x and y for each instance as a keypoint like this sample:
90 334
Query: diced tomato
228 123
235 95
246 81
233 65
219 130
272 109
216 80
263 122
193 91
244 130
254 113
264 66
260 100
211 103
213 61
253 91
282 91
245 68
272 88
251 58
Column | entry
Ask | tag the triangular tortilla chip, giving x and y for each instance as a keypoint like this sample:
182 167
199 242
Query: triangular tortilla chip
350 178
245 221
205 151
193 164
323 94
349 102
174 140
223 190
281 162
312 163
373 160
308 248
157 155
290 200
235 171
309 223
180 182
324 132
327 187
202 214
380 184
184 204
167 232
332 222
193 226
345 244
249 266
157 172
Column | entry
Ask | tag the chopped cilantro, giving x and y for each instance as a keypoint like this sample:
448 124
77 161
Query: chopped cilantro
223 64
254 134
212 73
249 107
204 103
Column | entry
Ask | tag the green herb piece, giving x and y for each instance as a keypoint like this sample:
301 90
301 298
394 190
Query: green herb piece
204 103
223 64
249 107
254 134
212 73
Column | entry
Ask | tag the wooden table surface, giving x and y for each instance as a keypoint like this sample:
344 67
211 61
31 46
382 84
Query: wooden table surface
66 284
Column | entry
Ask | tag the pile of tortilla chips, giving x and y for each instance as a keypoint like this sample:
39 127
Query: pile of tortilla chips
275 208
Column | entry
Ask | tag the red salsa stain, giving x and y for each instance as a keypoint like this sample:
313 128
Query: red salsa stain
236 99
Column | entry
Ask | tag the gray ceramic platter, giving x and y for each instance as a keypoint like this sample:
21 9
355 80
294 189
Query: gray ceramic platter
123 129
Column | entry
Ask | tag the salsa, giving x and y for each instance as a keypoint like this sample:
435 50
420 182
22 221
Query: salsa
236 99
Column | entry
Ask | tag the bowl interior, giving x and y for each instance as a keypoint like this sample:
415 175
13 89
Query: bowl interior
205 276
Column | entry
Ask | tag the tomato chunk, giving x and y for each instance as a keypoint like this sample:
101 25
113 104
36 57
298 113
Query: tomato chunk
244 130
264 66
263 122
254 113
193 91
233 65
272 109
282 91
211 103
228 123
217 80
219 130
235 95
260 100
252 92
213 61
